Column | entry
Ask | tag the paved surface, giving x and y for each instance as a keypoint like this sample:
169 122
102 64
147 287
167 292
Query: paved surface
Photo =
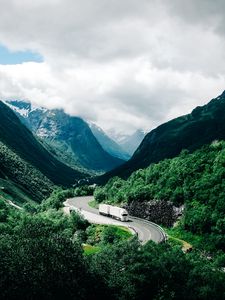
146 230
14 205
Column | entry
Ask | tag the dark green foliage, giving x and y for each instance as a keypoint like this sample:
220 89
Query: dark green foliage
56 199
84 190
106 234
41 268
39 261
41 258
204 125
9 190
78 222
24 175
3 211
157 272
196 180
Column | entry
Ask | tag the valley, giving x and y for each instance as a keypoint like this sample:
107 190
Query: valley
112 150
55 160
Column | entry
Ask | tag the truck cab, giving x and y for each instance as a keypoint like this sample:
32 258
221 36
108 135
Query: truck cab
124 215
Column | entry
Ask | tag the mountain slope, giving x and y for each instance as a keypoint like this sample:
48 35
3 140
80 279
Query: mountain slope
21 141
131 143
19 180
202 126
107 143
70 134
128 142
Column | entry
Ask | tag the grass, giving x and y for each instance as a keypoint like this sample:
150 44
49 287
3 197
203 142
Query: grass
179 242
89 249
177 235
99 235
93 204
123 232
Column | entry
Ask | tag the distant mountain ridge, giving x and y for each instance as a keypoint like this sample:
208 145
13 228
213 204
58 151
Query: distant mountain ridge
107 143
132 142
202 126
128 143
70 137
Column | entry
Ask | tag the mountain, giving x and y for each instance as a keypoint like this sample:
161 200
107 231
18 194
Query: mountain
23 158
202 126
133 141
128 143
70 137
21 182
107 143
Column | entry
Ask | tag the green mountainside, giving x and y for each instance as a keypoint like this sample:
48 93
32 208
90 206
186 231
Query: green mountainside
196 180
202 126
19 180
23 158
46 254
68 135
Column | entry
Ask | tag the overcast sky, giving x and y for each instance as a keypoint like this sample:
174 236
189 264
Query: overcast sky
123 64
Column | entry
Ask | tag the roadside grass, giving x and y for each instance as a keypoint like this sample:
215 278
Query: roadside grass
177 235
89 249
123 232
100 235
93 204
173 241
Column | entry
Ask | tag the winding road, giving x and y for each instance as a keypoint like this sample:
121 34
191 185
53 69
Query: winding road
145 230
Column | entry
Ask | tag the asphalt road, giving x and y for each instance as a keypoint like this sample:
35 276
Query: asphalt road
146 230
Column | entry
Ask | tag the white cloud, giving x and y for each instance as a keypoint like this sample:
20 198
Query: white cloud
123 64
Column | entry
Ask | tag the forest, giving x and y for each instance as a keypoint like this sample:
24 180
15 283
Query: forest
196 180
43 256
25 176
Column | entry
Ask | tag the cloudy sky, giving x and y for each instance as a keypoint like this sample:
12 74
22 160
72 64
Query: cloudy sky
124 64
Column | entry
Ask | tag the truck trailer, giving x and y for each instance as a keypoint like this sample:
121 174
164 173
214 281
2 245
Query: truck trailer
113 212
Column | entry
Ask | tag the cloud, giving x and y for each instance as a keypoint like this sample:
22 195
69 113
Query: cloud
123 64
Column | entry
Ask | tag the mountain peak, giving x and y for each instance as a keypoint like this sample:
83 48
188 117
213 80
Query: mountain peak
22 107
69 137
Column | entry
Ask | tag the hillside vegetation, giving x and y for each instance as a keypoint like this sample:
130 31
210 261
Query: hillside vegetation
42 258
194 179
28 180
18 138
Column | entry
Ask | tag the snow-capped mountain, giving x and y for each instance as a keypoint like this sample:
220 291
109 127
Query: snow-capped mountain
69 137
23 107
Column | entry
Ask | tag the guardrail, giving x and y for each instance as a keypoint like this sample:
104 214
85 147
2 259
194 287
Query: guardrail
133 229
164 235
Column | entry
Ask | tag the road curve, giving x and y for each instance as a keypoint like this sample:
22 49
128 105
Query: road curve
146 230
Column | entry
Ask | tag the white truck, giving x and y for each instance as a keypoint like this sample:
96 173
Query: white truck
113 212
